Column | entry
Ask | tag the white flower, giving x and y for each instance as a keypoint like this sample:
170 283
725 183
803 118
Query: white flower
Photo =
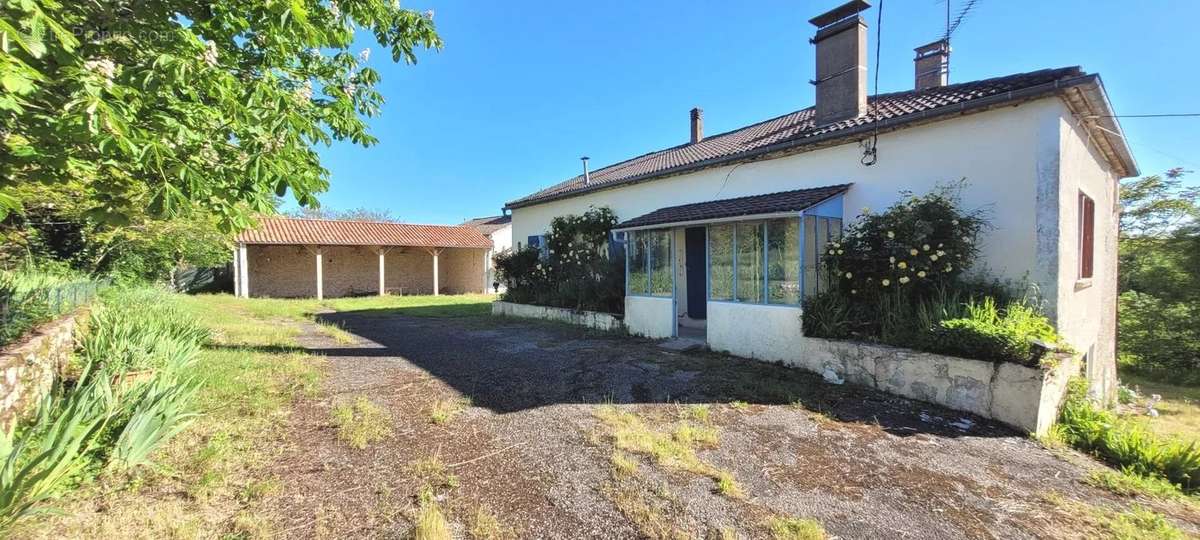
891 234
949 268
941 253
831 252
849 275
921 274
940 245
933 257
853 291
102 67
840 252
902 265
892 260
954 222
966 239
305 92
866 210
903 280
210 53
912 252
925 247
885 282
365 55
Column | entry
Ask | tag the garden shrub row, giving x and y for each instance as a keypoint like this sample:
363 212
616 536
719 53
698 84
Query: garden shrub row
128 391
898 277
573 270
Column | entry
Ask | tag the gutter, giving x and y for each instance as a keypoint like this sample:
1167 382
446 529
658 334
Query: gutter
843 135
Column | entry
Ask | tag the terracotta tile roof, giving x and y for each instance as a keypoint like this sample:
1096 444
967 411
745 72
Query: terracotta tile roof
278 230
488 225
770 203
798 129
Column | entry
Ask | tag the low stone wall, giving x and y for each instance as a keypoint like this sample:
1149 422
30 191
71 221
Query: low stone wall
590 319
30 366
1023 397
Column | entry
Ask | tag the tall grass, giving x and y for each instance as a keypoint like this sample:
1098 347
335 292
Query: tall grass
1125 444
101 420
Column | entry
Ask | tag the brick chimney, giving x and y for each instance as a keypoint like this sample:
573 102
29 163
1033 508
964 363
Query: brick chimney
841 82
932 64
697 125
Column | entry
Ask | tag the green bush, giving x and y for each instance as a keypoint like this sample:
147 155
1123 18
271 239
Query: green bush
31 297
1160 338
1124 444
574 271
898 279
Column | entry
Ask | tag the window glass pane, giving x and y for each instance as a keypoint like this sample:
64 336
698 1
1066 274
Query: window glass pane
720 258
659 246
783 261
638 279
812 255
749 262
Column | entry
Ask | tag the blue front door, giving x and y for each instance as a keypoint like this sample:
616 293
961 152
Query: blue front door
694 244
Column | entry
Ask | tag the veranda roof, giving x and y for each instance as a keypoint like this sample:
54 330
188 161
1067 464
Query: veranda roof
753 205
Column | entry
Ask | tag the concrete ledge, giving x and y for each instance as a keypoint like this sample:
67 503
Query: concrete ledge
1023 397
590 319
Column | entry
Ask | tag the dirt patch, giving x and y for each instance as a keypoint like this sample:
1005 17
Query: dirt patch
528 446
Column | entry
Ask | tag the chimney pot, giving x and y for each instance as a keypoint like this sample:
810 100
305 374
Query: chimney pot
697 125
841 43
932 65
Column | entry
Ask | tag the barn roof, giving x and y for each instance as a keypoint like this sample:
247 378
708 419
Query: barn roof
327 232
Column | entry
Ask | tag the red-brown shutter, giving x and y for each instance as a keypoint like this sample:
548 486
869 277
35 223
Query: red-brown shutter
1087 209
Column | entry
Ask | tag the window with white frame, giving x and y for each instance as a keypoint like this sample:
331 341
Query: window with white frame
819 231
648 263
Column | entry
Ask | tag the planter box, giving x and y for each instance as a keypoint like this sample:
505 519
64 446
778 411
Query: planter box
1027 398
591 319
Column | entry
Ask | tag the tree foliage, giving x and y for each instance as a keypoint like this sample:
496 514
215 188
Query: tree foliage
353 214
164 107
1159 323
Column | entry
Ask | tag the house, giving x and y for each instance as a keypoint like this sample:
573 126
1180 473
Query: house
289 257
1041 152
498 229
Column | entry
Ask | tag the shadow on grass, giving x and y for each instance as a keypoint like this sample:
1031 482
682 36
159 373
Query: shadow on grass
264 349
509 365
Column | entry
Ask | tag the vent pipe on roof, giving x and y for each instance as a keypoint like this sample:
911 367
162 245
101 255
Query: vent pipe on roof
587 177
841 42
932 64
697 125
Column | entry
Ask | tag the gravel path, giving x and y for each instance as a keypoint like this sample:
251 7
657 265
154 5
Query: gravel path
530 450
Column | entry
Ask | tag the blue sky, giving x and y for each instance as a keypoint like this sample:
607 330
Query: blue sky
522 89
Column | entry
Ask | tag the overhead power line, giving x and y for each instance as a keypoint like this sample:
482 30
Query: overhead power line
1164 115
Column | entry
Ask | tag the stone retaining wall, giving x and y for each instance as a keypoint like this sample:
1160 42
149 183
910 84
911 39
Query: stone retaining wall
1024 397
29 367
590 319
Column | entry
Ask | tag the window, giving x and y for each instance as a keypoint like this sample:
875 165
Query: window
1087 235
783 261
818 232
720 262
649 263
539 241
749 263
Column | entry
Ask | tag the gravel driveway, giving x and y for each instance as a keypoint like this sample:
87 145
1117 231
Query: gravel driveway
530 448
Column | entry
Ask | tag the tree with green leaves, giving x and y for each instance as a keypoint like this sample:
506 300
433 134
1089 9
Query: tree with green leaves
167 107
1159 322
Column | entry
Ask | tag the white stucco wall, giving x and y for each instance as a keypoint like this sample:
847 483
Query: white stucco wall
502 239
996 151
762 332
1085 310
650 316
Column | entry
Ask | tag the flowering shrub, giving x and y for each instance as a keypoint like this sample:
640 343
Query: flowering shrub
916 245
899 279
575 270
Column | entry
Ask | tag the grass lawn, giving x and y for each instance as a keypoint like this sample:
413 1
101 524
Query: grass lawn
1178 412
458 305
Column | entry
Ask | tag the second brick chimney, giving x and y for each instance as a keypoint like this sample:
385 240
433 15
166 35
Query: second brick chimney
697 125
841 42
932 64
